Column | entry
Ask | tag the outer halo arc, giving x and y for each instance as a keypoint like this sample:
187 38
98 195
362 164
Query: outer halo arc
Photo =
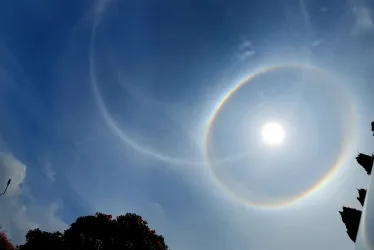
111 123
348 138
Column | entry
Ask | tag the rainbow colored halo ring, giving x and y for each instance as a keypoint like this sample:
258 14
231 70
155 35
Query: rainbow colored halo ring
348 138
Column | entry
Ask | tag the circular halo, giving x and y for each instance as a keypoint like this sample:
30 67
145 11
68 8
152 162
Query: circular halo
348 138
108 119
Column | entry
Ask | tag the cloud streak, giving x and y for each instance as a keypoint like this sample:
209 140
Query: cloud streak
363 14
246 50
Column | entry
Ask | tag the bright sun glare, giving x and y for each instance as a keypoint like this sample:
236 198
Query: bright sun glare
273 133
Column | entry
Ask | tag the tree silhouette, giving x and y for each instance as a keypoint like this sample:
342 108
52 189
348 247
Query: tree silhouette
126 232
366 161
351 217
36 239
361 196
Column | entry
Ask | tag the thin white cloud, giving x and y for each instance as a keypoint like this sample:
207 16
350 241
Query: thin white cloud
247 54
246 44
101 5
49 171
17 217
246 50
364 19
316 43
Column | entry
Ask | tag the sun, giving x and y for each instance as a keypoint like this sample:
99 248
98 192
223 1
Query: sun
273 133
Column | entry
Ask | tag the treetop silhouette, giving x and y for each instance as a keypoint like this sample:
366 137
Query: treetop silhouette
99 232
351 218
361 196
366 161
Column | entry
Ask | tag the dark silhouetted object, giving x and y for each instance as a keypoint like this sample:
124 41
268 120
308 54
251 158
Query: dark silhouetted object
99 232
372 127
351 218
361 196
6 188
36 239
366 161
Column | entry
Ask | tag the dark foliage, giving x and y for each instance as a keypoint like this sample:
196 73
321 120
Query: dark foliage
126 232
366 161
351 218
36 239
361 196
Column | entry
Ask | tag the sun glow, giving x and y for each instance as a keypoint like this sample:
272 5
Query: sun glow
273 134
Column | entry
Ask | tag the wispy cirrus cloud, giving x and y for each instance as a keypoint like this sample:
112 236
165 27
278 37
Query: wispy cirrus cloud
246 50
363 14
49 171
317 43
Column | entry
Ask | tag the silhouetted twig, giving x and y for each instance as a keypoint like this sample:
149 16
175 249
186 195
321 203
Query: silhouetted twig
6 188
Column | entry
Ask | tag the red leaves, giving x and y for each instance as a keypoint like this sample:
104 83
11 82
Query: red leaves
150 231
147 230
109 216
159 245
5 242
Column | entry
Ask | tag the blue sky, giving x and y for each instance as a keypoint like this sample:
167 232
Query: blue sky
105 106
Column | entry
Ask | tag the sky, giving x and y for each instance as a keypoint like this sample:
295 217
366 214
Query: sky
156 107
